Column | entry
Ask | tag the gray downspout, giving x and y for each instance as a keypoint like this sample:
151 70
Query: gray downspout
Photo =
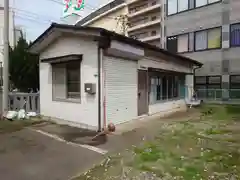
99 89
194 71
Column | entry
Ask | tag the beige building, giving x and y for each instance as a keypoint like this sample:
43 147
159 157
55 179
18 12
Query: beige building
139 19
144 20
111 17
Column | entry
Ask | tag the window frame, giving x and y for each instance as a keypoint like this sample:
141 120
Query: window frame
207 92
207 81
207 30
66 98
190 8
177 8
230 81
167 42
233 87
208 3
67 67
177 42
230 35
201 5
161 82
188 42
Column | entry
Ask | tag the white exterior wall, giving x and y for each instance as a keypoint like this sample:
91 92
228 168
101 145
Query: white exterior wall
165 108
85 112
163 64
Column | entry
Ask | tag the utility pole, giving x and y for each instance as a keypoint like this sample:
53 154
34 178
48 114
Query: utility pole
6 57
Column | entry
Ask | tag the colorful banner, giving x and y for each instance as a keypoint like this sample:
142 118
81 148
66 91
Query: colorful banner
72 7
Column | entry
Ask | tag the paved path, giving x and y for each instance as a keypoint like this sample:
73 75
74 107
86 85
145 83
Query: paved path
42 153
29 155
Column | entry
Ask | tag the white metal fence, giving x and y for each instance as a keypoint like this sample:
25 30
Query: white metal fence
27 101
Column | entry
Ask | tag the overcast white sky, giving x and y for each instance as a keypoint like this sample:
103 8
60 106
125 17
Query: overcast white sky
36 15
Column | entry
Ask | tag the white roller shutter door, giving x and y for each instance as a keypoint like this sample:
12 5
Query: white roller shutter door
121 89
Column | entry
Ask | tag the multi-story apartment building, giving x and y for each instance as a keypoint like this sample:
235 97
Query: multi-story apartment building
111 17
144 19
208 31
140 19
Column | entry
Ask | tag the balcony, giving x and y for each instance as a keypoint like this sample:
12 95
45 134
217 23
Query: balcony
144 9
140 35
150 38
132 1
144 24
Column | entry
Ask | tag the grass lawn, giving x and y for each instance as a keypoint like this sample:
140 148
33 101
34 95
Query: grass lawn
205 147
7 126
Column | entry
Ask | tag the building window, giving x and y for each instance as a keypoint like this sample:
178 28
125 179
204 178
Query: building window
234 86
235 82
199 3
176 86
208 82
214 38
154 18
154 3
73 79
208 86
182 5
172 44
175 6
170 87
178 43
200 40
208 39
172 7
213 1
154 33
235 34
159 88
165 87
66 80
183 41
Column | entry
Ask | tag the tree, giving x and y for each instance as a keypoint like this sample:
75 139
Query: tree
23 67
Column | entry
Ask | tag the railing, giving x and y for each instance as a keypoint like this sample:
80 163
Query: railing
27 101
232 95
210 94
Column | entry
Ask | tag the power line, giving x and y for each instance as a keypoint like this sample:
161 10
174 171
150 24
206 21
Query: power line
33 20
29 13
